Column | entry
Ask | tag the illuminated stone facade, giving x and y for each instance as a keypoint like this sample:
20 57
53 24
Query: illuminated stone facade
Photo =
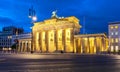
24 45
91 43
55 34
62 35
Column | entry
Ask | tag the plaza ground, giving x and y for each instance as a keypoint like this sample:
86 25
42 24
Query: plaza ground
56 62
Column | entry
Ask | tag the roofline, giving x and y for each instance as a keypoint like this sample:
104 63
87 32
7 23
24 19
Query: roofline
85 35
111 23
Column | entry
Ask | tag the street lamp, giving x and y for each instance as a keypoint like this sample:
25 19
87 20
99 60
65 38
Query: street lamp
32 16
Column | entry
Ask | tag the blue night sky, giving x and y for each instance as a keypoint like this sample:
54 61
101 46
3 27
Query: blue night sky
97 13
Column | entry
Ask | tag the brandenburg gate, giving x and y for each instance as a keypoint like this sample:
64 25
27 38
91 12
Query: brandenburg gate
55 34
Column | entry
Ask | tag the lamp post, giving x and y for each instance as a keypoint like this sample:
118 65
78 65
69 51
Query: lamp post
32 16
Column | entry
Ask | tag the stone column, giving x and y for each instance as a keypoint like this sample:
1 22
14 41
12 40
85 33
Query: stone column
68 40
47 40
43 41
95 45
19 46
59 40
29 45
51 46
22 49
25 47
55 39
74 46
88 44
63 40
103 44
39 42
100 44
82 45
37 46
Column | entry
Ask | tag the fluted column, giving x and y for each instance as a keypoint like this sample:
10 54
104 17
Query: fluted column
88 44
95 46
46 40
56 40
59 40
43 40
68 40
51 46
22 48
82 45
63 39
40 41
100 44
19 46
28 48
37 47
25 47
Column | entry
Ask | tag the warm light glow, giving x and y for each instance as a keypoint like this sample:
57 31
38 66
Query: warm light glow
116 27
112 40
112 49
9 37
116 48
116 40
111 27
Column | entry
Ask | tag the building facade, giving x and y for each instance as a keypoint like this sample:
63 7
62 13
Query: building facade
91 43
5 41
24 44
59 34
114 36
55 34
8 35
12 30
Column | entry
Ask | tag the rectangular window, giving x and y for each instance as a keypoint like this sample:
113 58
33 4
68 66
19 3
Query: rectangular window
116 27
111 27
116 40
116 48
112 49
111 33
112 40
116 33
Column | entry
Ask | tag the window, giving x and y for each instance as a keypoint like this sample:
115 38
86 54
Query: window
111 33
116 27
111 27
116 40
116 33
116 48
112 49
112 40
